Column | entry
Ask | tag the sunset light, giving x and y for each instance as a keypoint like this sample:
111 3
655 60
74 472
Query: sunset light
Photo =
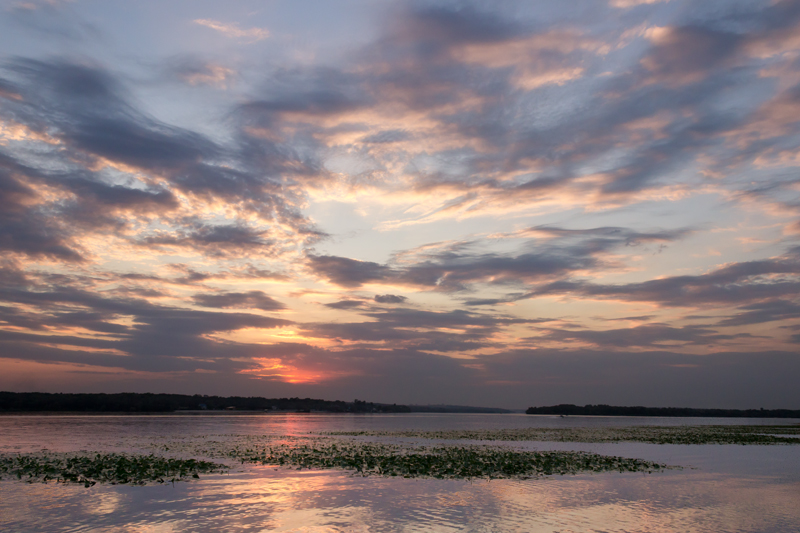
415 202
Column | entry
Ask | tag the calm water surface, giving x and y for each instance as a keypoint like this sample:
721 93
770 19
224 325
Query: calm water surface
721 488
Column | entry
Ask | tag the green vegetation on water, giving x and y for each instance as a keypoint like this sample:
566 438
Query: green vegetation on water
104 468
762 435
360 457
442 462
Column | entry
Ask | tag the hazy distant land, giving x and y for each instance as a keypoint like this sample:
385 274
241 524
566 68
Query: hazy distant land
613 410
130 402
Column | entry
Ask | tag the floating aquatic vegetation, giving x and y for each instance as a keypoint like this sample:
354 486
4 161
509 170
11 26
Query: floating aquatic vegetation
312 452
102 468
647 434
443 462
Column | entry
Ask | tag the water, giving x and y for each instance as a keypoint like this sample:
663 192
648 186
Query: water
721 488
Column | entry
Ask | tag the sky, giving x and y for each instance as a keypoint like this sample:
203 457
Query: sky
497 204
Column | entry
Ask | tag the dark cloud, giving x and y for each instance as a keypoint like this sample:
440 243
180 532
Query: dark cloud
690 50
25 227
243 300
732 284
133 291
760 312
348 272
32 236
446 26
230 184
151 337
317 92
646 336
389 299
456 267
35 225
186 275
366 334
88 107
345 304
451 331
96 206
453 272
119 196
152 147
386 137
412 318
627 318
491 301
216 241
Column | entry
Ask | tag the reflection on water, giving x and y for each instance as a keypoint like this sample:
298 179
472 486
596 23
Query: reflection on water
266 500
114 432
730 488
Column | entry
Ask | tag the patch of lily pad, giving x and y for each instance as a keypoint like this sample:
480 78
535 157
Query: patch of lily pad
761 435
220 453
442 462
111 468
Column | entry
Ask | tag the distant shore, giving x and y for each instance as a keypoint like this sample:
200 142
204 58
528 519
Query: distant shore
683 412
150 403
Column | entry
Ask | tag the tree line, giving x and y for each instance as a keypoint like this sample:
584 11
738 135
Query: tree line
130 402
612 410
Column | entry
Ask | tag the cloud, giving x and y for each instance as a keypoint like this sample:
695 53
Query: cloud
231 29
109 169
627 4
215 241
26 227
345 304
302 96
85 108
453 331
348 272
186 275
646 336
242 300
389 299
456 266
397 349
689 52
133 243
732 284
386 137
147 336
195 71
441 96
761 312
